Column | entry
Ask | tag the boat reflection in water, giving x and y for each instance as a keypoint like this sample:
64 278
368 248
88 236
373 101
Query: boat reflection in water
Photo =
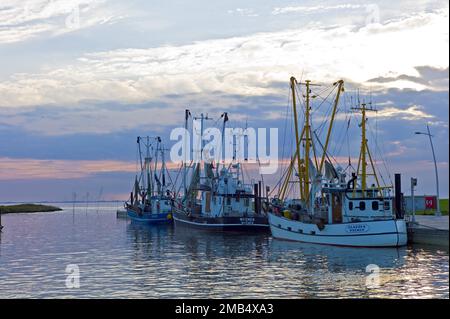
336 258
182 263
272 251
222 245
258 265
150 240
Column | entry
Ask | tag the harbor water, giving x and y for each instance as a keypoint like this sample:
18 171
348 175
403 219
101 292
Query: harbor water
118 259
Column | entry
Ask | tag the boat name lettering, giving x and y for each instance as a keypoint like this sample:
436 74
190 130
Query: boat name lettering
358 228
247 221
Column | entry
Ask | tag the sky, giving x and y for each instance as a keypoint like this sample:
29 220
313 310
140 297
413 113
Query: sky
80 79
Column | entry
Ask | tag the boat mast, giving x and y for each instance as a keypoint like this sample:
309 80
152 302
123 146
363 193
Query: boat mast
187 113
202 142
364 152
297 140
222 146
155 171
138 190
147 162
307 141
333 114
163 167
202 119
140 154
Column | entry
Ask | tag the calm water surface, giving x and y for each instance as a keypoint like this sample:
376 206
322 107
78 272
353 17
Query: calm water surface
118 259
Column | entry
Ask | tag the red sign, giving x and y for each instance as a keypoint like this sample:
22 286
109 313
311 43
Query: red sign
430 202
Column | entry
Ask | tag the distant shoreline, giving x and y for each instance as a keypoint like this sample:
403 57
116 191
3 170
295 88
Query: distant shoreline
28 208
2 203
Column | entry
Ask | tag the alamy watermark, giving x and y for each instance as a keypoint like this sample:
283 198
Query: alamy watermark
69 10
73 276
373 279
248 145
373 14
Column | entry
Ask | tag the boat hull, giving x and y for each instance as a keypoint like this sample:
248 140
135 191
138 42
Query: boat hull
221 224
150 218
384 233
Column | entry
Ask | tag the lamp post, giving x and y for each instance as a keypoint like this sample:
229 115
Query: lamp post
413 184
438 209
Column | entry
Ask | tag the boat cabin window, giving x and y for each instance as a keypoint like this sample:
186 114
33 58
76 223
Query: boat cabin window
375 205
246 202
387 205
350 205
362 205
228 201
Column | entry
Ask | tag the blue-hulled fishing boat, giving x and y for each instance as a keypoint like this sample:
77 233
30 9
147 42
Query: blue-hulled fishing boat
150 201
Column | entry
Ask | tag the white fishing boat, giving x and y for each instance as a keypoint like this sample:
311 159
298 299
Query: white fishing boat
217 198
330 208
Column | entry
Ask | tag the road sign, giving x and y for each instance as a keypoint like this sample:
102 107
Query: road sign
430 202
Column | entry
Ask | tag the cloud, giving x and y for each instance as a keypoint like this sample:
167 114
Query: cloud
244 12
313 9
427 78
15 169
29 168
240 65
414 112
94 118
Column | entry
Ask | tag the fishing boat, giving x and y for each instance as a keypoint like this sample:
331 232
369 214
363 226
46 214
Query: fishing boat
150 200
217 198
332 209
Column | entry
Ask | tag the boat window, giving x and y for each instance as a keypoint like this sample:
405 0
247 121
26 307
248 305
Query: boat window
362 205
375 205
387 205
228 201
247 202
350 205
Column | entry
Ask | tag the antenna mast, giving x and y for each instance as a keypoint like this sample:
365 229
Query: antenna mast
365 152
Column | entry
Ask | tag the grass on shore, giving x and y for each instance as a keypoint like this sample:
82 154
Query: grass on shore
443 205
28 208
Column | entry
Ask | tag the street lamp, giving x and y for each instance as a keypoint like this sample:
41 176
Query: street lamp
438 209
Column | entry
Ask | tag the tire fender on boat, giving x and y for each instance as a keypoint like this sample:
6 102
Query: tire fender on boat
320 225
